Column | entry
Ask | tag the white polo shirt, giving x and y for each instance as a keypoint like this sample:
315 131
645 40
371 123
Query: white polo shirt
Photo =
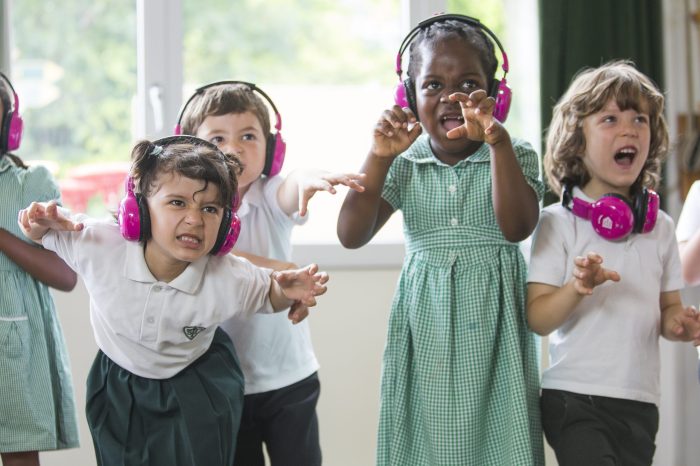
152 328
273 352
609 346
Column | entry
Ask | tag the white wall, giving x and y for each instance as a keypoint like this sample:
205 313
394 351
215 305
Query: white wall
348 328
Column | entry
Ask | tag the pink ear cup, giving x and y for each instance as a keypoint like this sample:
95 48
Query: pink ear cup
503 98
278 157
400 96
14 131
128 216
652 211
611 217
231 237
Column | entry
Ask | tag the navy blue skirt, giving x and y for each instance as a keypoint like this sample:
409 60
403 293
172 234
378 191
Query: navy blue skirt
190 419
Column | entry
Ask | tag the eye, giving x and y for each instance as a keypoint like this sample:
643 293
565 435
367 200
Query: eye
249 137
211 209
643 119
177 203
217 140
609 119
433 85
470 85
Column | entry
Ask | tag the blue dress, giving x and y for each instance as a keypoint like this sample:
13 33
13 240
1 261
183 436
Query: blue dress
37 408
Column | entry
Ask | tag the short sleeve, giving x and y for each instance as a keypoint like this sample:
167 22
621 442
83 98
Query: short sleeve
530 165
671 279
269 192
390 192
39 186
689 220
549 251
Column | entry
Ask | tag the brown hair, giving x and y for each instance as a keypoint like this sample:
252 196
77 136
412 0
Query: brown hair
223 99
589 92
187 156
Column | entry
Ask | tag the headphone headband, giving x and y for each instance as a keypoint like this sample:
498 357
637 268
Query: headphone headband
253 88
437 18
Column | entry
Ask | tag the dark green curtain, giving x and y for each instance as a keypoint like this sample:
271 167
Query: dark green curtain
586 33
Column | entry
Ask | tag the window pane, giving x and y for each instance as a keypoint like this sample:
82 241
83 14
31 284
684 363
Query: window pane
74 68
328 66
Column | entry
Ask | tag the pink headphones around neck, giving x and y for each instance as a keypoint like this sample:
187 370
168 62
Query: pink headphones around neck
135 221
405 93
612 216
275 146
12 123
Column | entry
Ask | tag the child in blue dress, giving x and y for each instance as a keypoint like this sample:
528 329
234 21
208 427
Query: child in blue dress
460 373
605 275
165 387
37 408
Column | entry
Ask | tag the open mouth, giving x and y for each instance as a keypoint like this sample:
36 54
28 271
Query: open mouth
625 156
449 122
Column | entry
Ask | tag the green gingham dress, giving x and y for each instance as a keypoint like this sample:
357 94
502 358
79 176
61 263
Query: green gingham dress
37 409
460 379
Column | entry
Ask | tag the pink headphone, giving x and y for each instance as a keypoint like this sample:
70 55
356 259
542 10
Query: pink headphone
12 124
135 221
405 94
612 216
275 146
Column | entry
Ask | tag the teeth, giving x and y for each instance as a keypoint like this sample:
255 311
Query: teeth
189 239
628 150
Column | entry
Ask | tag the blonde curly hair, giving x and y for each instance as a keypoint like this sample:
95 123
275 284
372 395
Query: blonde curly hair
589 92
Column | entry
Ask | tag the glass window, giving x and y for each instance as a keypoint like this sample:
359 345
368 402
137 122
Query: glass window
327 65
74 68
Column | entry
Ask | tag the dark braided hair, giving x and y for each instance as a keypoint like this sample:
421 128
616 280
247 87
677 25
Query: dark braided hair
472 35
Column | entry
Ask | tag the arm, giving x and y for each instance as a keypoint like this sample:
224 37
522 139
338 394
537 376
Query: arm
364 213
690 259
300 186
40 217
514 201
548 306
678 323
40 263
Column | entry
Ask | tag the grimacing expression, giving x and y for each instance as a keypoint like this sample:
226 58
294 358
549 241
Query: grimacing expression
185 220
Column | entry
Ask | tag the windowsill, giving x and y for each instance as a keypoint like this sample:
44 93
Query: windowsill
335 256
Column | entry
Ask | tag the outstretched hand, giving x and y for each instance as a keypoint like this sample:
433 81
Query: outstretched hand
479 122
589 273
685 325
395 131
41 217
303 284
317 180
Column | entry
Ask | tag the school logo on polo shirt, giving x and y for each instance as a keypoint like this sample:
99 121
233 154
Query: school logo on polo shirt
191 332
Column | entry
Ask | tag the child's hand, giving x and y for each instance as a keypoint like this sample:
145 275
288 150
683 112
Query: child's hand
303 284
685 325
479 123
298 312
589 273
317 180
41 217
392 134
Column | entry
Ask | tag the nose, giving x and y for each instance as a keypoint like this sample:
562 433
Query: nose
629 127
193 217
